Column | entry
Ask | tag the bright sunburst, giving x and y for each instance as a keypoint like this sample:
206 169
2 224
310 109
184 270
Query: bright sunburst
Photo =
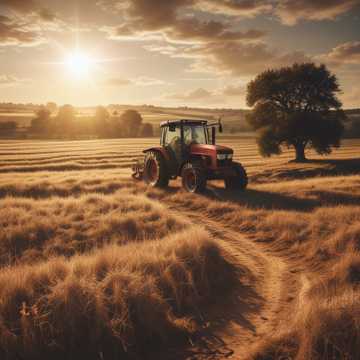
80 64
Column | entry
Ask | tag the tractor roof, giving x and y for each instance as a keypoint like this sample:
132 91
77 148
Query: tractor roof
184 122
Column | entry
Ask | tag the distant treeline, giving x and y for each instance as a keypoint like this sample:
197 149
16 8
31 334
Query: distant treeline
63 123
114 121
8 128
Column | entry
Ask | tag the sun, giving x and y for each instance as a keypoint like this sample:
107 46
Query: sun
79 64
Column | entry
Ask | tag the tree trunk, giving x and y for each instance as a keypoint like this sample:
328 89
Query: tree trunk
300 152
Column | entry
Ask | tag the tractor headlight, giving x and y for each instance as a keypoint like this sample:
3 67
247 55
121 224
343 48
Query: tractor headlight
221 156
224 156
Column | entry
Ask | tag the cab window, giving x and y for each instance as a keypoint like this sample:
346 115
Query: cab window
172 137
194 135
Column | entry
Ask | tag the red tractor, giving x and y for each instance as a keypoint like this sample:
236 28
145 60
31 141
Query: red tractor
187 150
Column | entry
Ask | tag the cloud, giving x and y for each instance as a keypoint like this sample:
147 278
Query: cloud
14 33
347 53
22 6
234 90
47 15
290 11
228 94
245 8
191 29
179 20
115 81
25 22
198 97
173 20
139 81
191 96
240 59
203 96
167 49
9 80
28 7
147 81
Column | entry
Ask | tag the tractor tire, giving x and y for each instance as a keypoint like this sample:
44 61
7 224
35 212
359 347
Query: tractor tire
238 182
155 170
193 178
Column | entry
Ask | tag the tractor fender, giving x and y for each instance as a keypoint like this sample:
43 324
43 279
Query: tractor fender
197 158
159 149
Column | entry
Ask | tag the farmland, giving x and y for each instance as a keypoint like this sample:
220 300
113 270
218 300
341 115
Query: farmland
96 265
22 116
234 120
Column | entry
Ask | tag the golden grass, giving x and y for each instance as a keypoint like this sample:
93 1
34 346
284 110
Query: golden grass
32 230
115 302
27 156
94 265
316 224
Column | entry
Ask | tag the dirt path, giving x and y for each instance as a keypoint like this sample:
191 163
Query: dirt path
266 298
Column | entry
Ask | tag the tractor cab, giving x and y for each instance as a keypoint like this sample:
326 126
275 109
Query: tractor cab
188 149
180 138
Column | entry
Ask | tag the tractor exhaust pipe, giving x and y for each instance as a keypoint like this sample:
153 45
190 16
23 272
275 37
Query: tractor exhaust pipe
213 130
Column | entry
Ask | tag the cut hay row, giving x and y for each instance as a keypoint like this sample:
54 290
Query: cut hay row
70 183
28 156
59 158
94 264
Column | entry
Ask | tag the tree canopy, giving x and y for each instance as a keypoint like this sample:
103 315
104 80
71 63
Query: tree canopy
131 123
101 120
297 107
146 130
41 123
66 118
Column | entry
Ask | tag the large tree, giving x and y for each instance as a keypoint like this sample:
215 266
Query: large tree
297 107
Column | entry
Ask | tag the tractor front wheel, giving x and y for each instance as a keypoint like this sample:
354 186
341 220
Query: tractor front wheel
239 181
193 178
155 170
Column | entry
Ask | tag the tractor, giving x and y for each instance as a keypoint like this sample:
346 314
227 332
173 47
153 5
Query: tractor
188 149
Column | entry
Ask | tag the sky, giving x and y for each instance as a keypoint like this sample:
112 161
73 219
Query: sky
197 53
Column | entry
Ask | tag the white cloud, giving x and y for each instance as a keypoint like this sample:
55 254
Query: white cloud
10 80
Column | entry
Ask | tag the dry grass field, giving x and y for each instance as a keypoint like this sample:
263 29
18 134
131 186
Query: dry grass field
94 265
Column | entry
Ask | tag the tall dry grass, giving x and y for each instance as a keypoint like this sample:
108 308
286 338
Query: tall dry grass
73 284
116 302
32 230
316 224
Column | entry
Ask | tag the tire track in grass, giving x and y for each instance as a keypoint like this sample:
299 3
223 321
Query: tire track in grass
259 309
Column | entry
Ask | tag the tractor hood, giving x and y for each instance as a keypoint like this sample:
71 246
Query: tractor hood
210 150
213 152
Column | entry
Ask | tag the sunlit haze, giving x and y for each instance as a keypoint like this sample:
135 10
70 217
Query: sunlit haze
170 53
79 64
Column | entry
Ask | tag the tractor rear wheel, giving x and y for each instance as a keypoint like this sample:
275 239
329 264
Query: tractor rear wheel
155 170
193 178
239 181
